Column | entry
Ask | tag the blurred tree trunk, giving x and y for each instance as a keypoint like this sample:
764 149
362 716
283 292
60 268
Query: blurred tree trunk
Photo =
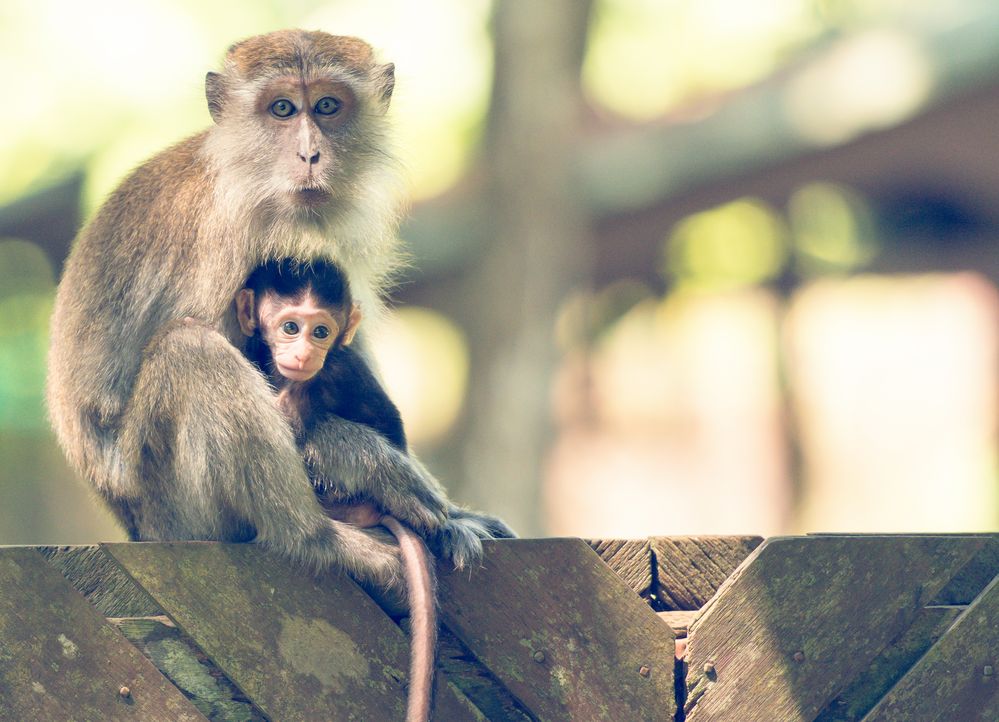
539 250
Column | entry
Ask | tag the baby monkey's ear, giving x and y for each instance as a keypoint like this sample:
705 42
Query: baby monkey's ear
353 321
245 311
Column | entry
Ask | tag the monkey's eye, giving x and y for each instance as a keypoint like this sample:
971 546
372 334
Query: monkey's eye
321 332
282 108
328 106
290 328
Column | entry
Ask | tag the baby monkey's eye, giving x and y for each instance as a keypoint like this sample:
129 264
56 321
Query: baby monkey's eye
290 328
321 332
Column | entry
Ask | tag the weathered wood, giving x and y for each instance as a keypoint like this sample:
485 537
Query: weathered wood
689 569
301 646
792 626
890 665
60 660
630 559
958 679
679 622
175 655
562 632
476 682
97 577
969 582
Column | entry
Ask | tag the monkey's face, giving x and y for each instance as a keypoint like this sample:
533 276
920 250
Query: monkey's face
304 112
307 123
299 333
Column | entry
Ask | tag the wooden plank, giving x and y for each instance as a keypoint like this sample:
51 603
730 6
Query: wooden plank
630 559
300 646
773 642
180 660
689 569
97 577
890 665
679 622
957 678
969 582
476 682
60 660
562 632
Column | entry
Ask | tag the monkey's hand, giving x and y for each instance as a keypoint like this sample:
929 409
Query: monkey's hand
357 461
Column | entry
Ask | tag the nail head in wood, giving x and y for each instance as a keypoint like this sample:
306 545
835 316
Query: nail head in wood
539 656
124 693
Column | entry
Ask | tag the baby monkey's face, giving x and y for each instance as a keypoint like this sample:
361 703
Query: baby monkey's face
299 330
299 334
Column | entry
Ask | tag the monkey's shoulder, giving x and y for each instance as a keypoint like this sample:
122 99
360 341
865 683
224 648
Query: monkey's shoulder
168 182
347 385
347 376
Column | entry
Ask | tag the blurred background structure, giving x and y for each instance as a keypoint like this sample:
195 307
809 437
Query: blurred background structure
679 267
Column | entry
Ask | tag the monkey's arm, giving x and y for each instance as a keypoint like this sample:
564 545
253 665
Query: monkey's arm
211 455
360 462
347 389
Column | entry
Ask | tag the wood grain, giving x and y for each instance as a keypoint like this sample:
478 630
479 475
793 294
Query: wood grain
301 646
562 632
792 627
957 678
60 660
689 569
630 559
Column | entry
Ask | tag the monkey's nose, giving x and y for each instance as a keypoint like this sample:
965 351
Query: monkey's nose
310 159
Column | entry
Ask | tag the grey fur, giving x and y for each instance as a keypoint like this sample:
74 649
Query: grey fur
168 422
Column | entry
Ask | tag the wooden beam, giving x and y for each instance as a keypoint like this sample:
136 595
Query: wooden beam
890 665
562 632
301 646
102 581
630 559
958 679
181 661
792 626
689 569
60 660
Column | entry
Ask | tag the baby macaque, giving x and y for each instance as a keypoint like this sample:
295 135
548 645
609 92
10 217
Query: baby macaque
300 319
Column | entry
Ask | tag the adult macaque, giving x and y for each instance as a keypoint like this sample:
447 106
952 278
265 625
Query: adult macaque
300 320
168 420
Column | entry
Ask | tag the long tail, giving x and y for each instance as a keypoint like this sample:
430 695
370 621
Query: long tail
421 582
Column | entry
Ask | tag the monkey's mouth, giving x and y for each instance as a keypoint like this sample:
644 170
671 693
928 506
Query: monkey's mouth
311 196
296 374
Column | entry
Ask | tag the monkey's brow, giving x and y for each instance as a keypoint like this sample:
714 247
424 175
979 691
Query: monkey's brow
313 72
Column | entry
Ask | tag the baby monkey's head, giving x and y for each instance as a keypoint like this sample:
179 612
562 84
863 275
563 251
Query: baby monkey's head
301 310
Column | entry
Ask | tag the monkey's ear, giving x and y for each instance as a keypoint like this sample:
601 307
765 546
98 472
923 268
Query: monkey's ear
353 321
385 78
215 92
245 312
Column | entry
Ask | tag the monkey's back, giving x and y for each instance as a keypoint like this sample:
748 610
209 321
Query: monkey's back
124 277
